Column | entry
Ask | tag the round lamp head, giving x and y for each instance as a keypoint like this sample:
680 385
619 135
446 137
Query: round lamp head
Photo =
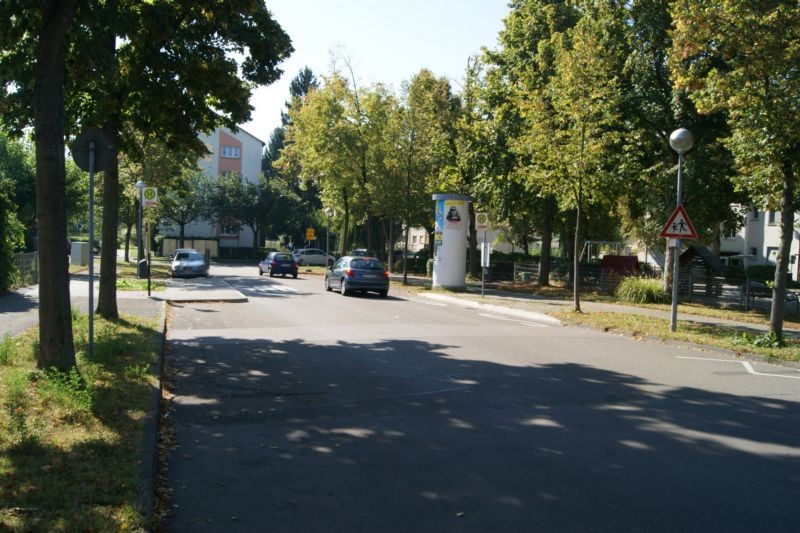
681 140
139 185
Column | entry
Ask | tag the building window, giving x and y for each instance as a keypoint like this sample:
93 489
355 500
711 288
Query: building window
774 217
755 214
230 151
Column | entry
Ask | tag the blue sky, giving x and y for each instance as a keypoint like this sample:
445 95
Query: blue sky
387 41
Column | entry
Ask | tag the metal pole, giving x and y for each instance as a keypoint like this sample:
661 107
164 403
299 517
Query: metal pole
139 252
484 261
91 248
673 319
327 238
148 258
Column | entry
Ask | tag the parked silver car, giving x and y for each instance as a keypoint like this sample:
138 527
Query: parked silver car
311 256
188 263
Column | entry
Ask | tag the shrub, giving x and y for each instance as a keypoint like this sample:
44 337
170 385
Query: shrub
6 350
642 290
761 273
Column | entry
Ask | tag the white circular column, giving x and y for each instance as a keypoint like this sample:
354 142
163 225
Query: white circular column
450 240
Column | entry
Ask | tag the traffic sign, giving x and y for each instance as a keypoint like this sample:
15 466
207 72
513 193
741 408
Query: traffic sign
481 221
679 226
149 197
309 234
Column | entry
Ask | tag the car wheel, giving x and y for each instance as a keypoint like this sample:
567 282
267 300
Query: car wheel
383 293
294 275
344 290
260 272
283 275
271 274
327 284
300 262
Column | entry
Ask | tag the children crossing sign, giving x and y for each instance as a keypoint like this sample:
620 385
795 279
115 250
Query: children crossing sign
679 226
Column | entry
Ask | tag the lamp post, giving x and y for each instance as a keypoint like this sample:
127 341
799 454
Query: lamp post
140 185
681 140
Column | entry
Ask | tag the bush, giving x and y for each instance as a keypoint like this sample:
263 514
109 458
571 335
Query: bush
642 290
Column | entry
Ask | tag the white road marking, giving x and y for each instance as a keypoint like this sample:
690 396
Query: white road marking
747 366
750 369
518 321
421 301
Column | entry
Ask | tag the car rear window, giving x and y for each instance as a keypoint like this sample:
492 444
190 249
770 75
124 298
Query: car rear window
366 264
284 257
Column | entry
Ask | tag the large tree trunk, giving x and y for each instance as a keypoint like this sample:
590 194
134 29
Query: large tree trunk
56 344
107 295
576 259
345 240
782 261
472 242
548 223
128 229
182 235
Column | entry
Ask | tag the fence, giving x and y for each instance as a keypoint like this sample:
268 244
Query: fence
27 266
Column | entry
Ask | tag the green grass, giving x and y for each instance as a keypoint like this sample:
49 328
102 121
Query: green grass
687 331
70 443
127 279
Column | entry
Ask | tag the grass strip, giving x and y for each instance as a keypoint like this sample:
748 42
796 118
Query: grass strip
70 443
727 338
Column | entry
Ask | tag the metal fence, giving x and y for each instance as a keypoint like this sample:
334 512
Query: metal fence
27 267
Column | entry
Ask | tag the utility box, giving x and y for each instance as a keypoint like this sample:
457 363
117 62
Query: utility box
142 268
79 253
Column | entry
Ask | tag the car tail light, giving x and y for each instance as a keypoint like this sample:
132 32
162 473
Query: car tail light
385 274
349 272
274 263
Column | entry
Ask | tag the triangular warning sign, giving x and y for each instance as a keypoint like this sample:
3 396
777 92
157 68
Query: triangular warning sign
679 226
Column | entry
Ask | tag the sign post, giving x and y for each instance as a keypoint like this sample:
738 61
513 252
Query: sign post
482 223
149 201
92 151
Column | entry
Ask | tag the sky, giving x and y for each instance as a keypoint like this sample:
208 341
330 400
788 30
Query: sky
387 41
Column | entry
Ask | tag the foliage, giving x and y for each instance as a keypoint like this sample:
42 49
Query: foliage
642 290
63 433
741 58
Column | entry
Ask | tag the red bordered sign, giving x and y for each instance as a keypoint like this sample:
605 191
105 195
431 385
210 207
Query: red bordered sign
679 226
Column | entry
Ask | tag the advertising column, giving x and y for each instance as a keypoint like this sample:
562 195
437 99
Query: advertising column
450 240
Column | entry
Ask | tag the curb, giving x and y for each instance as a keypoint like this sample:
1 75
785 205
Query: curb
470 304
148 456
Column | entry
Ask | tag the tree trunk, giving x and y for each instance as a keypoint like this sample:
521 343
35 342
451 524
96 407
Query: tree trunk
405 253
128 228
345 241
576 259
472 241
668 268
107 295
782 261
716 241
548 223
56 344
182 235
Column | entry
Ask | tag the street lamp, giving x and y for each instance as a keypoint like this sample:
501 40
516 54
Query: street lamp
140 185
328 212
681 140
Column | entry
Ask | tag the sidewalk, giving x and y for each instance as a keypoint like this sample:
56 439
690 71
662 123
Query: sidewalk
19 310
540 308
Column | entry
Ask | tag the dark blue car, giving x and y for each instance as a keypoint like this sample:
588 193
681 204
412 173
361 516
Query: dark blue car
278 263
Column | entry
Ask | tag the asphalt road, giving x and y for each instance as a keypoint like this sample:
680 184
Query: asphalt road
302 410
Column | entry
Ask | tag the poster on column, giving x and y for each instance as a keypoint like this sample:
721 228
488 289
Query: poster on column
453 213
439 223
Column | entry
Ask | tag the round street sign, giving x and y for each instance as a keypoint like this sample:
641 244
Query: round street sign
150 197
481 220
103 149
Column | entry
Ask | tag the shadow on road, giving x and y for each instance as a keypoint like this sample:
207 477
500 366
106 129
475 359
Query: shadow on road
399 436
